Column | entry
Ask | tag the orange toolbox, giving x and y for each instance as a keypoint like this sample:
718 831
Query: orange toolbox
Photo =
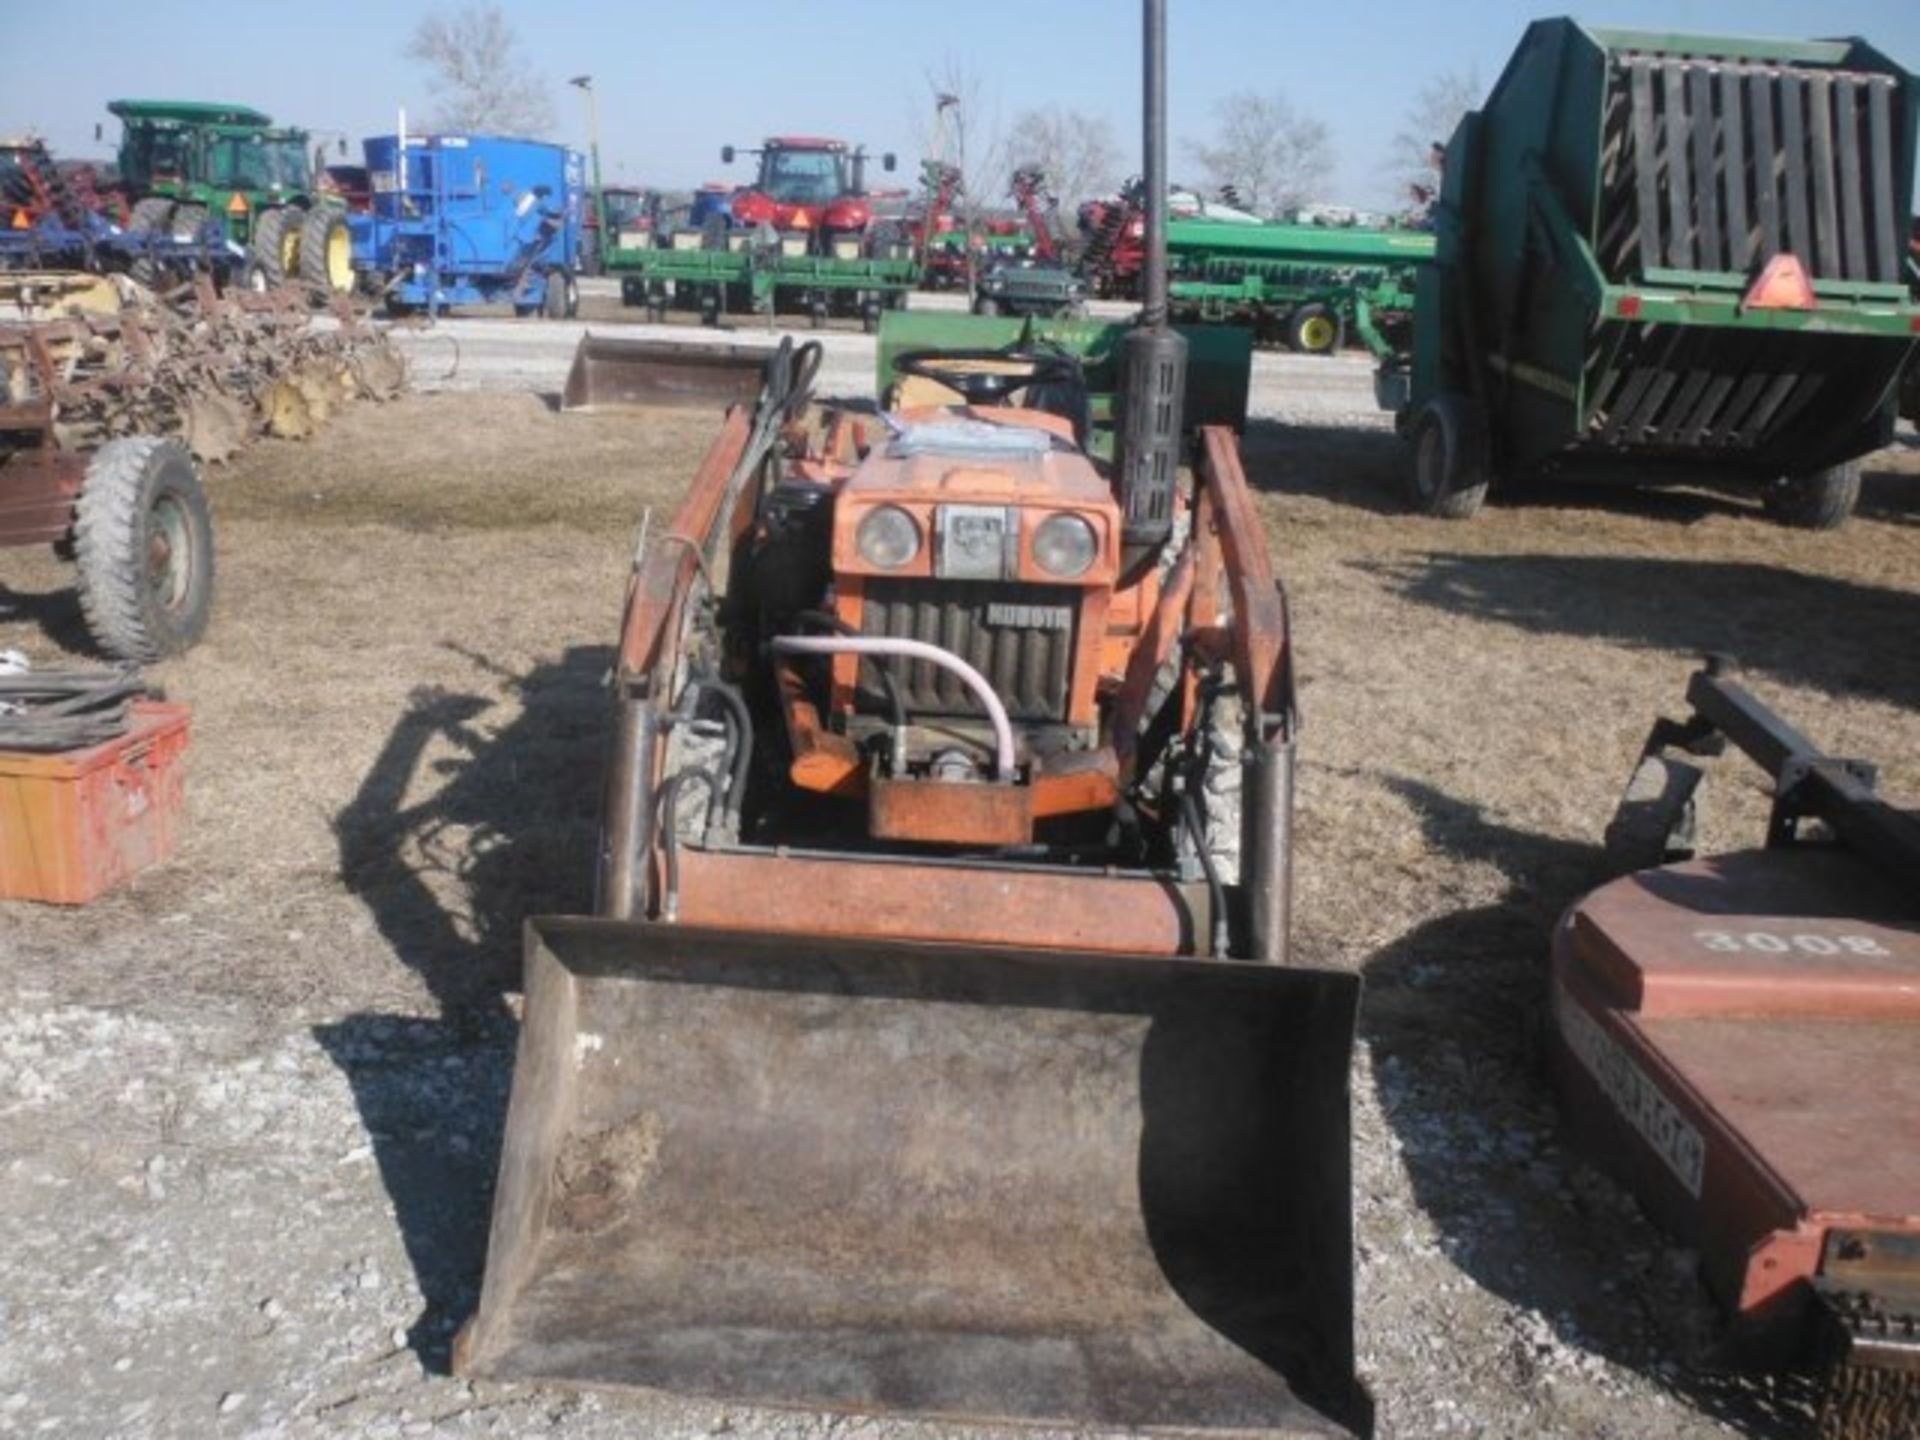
76 824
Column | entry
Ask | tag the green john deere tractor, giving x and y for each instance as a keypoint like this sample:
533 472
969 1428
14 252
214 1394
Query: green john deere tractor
184 163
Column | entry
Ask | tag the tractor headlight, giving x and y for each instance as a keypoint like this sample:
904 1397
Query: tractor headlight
887 537
1065 546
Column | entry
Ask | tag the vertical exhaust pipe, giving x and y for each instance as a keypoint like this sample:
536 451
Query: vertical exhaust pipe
1154 386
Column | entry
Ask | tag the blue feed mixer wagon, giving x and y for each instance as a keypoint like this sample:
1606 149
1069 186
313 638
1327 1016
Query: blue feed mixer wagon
471 220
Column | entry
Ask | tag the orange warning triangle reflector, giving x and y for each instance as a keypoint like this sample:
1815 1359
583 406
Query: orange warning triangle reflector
21 221
1783 285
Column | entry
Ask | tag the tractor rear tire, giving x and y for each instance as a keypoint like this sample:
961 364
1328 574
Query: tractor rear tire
986 305
151 215
1313 330
188 221
1450 470
1822 500
143 538
155 212
326 251
270 244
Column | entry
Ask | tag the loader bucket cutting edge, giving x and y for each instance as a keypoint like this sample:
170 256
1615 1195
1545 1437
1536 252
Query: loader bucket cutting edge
611 374
978 1184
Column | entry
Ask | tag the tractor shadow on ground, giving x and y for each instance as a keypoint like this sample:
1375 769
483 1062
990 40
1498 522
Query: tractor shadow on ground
459 830
1362 467
56 613
1455 1017
1808 630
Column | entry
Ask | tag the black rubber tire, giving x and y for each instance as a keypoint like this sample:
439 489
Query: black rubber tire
188 221
151 214
269 241
553 303
154 212
1823 500
1313 330
986 305
324 240
713 233
143 538
1450 467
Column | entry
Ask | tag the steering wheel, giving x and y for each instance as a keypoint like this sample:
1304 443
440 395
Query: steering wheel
1013 370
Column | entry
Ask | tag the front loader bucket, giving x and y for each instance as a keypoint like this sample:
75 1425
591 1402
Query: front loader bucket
612 374
889 1177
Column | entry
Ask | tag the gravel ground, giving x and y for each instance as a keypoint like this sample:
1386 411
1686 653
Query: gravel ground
250 1105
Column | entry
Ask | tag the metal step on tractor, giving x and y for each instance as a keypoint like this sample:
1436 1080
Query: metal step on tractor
188 165
1666 258
936 1046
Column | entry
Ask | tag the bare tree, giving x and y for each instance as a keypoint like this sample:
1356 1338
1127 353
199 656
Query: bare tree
1429 122
476 74
956 120
1271 155
1075 151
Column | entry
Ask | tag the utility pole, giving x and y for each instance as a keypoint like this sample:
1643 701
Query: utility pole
601 233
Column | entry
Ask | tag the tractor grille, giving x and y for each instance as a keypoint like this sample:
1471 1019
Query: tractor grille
1019 636
1717 166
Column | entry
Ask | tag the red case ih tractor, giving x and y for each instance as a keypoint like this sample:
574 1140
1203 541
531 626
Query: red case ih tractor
812 192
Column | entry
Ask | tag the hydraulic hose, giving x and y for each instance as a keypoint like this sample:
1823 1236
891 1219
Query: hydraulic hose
743 749
55 710
917 650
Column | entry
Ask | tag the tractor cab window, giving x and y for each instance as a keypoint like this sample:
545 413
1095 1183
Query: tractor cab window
150 155
799 177
242 162
624 207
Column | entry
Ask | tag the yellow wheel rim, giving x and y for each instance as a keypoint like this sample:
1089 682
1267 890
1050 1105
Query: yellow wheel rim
339 258
1318 334
290 246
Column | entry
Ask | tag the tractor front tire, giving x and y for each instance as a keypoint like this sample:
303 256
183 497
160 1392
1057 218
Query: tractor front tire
143 538
272 245
1822 500
1450 470
1313 330
326 251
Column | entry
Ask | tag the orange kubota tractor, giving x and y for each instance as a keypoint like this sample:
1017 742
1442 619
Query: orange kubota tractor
935 1048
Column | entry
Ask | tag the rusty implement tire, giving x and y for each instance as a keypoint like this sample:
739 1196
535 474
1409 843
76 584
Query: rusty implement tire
144 542
962 1182
612 374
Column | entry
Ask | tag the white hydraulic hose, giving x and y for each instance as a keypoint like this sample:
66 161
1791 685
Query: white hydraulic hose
916 650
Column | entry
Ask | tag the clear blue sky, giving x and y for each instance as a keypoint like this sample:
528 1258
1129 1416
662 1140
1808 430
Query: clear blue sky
678 79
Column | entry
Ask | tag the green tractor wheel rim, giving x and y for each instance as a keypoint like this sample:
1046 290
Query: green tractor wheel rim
1318 332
